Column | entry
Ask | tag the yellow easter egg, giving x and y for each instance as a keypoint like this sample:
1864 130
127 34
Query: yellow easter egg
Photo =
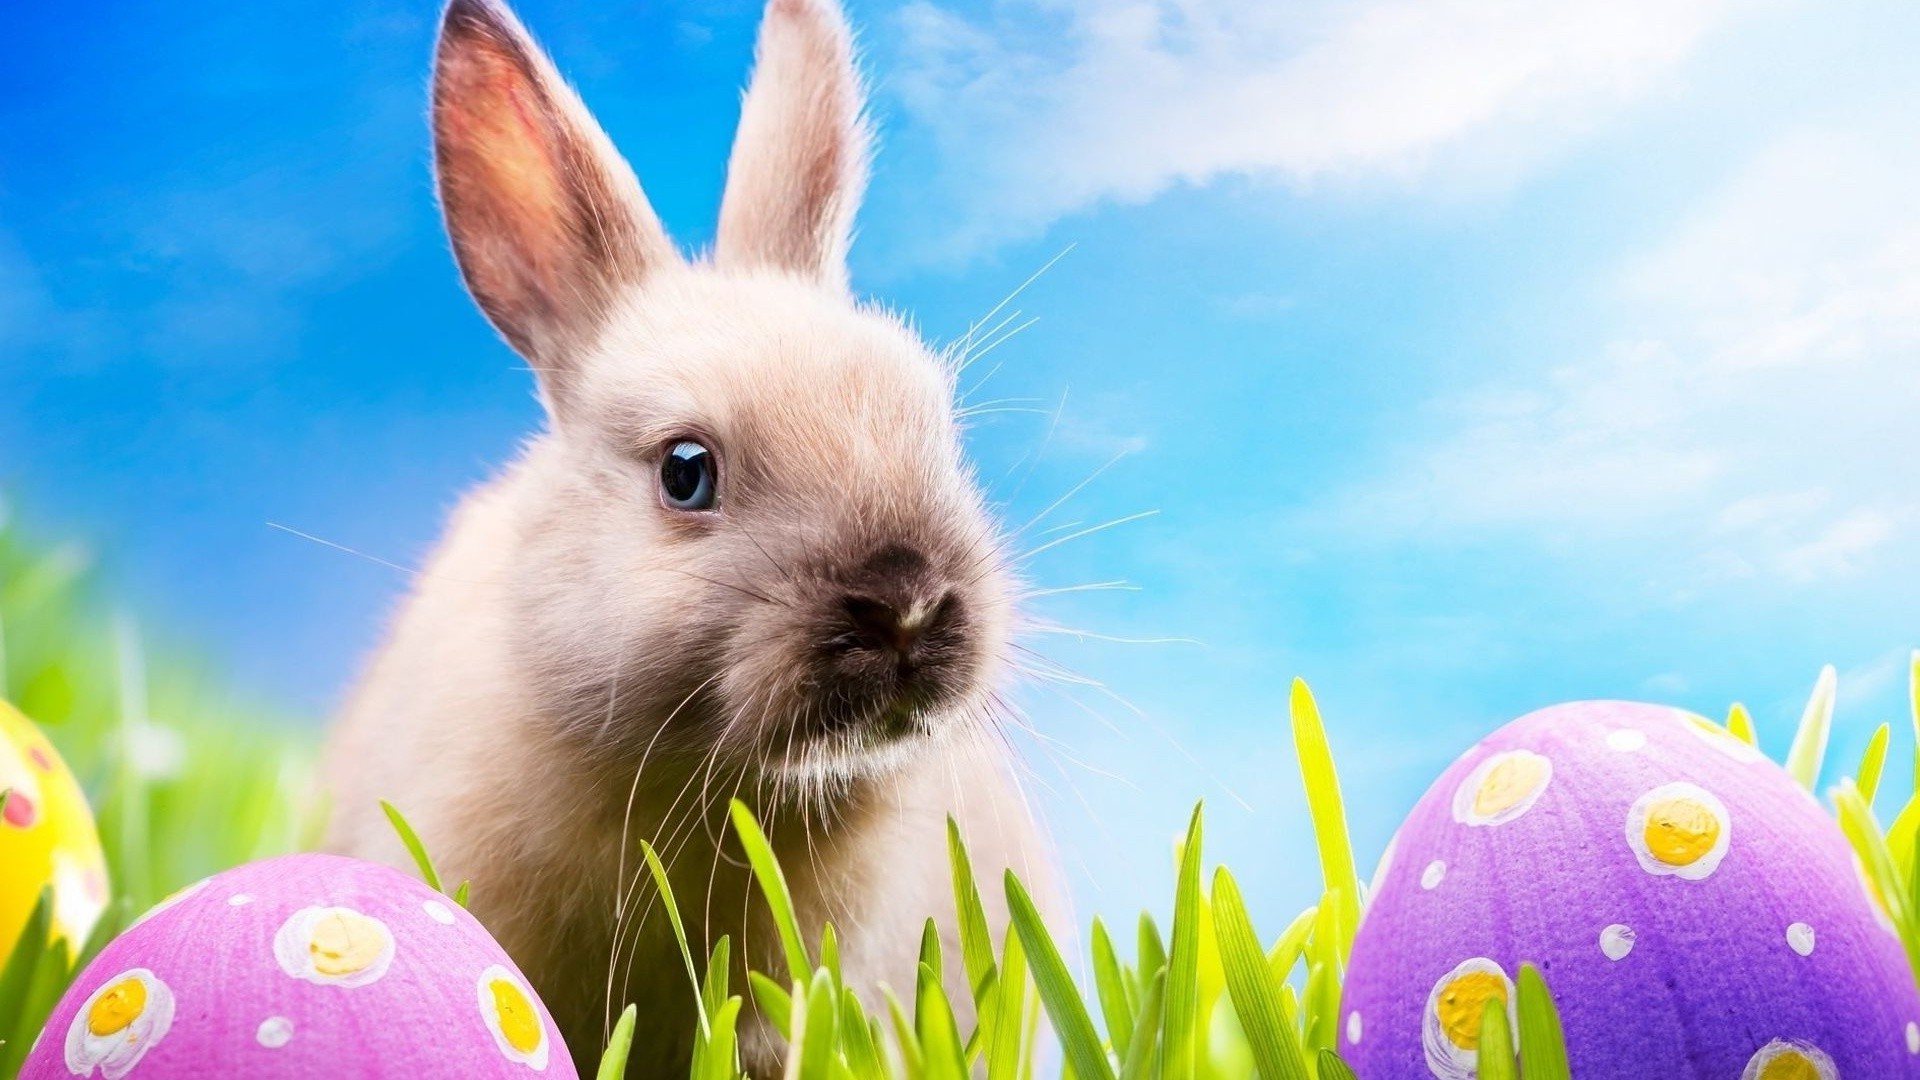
47 837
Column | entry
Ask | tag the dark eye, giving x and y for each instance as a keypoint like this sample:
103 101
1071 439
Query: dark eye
687 480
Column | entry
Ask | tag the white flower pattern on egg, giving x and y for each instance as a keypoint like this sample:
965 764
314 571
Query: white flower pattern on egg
1450 1026
1790 1060
1616 941
1501 788
1800 938
115 1027
1626 740
333 946
1679 830
508 1008
274 1033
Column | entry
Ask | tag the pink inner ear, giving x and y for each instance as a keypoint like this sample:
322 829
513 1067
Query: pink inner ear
544 216
503 180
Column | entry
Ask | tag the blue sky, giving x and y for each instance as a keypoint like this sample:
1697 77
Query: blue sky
1475 356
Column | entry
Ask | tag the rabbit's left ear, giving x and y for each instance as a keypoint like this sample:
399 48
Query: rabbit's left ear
799 163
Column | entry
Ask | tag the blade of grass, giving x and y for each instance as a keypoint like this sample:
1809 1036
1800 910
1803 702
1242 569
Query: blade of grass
1252 987
1111 988
713 989
1181 1012
1009 1005
1078 1040
830 951
1496 1043
1153 950
819 1019
797 1040
1861 831
1740 723
774 885
414 847
1912 879
943 1055
976 940
1810 739
1901 835
930 946
1321 1005
1867 779
775 1003
1333 1068
1913 710
718 1057
977 1040
1030 1040
661 882
1140 1052
31 952
1543 1049
1325 806
856 1039
1293 941
904 1037
613 1062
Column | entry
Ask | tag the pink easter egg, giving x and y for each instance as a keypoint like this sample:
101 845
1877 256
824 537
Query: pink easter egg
308 966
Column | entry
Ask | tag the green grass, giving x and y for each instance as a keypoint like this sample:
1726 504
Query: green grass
188 778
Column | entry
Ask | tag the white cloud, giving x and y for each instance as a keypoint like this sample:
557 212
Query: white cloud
1059 104
1762 420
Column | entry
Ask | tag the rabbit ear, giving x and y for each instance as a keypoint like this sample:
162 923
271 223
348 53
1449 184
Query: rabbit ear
799 161
546 218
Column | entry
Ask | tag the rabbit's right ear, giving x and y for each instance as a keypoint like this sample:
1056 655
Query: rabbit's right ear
546 218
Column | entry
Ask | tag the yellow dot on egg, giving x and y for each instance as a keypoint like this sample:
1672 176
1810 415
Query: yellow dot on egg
1509 783
1680 830
519 1020
120 1005
1791 1065
1462 1003
344 942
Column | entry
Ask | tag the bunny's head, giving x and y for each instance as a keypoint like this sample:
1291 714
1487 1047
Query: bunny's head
748 534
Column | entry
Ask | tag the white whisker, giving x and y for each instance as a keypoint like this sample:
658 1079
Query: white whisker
973 330
1089 531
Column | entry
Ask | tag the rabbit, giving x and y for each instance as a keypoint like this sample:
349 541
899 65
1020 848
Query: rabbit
745 557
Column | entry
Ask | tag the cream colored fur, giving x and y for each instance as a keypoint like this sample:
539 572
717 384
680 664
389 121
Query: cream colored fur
579 668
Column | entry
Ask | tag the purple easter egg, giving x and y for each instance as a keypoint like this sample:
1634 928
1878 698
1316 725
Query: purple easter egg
1694 911
301 966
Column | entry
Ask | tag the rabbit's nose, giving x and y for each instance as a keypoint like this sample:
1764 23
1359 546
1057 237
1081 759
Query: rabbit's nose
895 626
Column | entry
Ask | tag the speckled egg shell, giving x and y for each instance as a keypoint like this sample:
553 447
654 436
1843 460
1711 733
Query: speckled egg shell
47 837
301 966
1694 911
